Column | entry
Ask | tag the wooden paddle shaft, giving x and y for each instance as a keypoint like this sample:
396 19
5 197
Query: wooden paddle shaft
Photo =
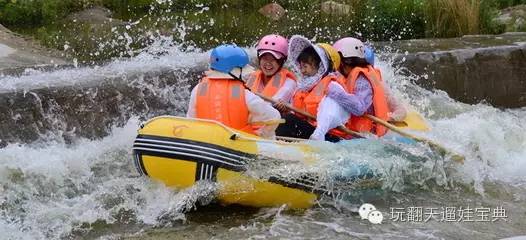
391 127
456 157
308 115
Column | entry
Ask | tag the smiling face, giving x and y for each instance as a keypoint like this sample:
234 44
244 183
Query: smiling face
365 209
375 217
308 69
268 64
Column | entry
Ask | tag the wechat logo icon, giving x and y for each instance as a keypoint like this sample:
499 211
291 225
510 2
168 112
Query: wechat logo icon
369 212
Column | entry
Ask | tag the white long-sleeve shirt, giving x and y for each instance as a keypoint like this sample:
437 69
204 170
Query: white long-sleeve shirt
258 109
284 93
330 115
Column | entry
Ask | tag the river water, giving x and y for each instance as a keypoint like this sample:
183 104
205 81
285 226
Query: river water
90 189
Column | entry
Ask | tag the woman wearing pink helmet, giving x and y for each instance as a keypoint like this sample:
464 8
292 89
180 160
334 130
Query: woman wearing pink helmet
271 79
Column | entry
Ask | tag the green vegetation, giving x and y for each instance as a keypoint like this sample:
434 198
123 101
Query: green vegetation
508 3
39 12
205 23
452 18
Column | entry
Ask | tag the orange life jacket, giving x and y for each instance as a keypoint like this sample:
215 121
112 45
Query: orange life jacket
223 100
381 109
271 88
310 100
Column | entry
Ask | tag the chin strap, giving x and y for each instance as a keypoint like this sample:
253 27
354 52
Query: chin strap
239 78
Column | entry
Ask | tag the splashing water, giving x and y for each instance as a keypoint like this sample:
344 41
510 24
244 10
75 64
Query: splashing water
159 56
91 189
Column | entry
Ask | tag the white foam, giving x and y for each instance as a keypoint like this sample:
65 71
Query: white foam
492 140
50 190
171 57
515 238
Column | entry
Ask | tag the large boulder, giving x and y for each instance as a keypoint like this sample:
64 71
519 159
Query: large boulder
273 11
96 36
334 8
95 15
513 18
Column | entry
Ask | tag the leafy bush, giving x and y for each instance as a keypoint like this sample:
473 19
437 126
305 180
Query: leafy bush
395 19
206 23
53 10
22 12
508 3
128 9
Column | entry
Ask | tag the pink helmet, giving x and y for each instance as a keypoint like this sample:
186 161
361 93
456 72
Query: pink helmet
273 44
350 47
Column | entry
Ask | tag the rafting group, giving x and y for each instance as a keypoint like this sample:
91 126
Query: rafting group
338 85
337 94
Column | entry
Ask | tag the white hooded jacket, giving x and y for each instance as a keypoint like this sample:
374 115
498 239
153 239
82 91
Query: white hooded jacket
330 114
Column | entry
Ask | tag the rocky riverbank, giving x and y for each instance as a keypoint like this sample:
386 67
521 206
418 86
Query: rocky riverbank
470 69
18 52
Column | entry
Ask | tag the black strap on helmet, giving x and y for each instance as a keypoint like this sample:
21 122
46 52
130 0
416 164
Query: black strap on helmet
239 78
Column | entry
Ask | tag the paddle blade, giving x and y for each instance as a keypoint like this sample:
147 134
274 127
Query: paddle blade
413 121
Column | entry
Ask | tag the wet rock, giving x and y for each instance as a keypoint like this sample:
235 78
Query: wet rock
5 50
273 11
513 18
470 69
334 8
95 15
18 53
90 108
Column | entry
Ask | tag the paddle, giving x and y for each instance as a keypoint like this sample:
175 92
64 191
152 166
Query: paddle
213 73
308 115
454 156
412 121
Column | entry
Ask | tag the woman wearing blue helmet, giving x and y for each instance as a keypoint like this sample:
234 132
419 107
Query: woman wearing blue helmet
222 95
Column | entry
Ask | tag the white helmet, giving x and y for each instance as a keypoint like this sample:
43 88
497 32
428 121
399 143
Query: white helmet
350 47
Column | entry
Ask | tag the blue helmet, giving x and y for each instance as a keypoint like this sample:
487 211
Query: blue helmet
369 55
225 58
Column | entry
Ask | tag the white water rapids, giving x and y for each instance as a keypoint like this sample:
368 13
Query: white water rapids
90 189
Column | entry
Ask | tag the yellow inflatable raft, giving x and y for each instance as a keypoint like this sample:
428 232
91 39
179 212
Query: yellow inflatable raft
181 151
